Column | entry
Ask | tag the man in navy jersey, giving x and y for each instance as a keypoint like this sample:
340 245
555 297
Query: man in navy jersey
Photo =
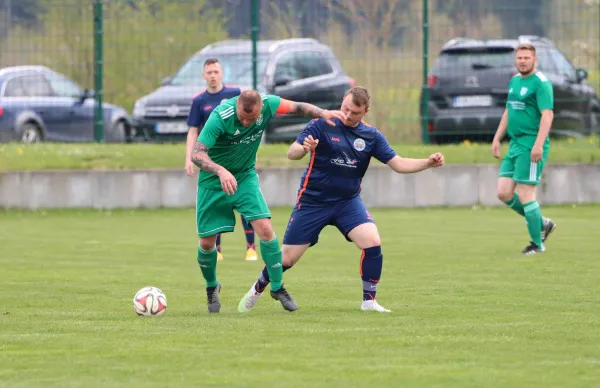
329 192
202 106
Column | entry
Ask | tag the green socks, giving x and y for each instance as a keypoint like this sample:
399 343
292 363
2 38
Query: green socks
516 205
208 265
533 216
271 255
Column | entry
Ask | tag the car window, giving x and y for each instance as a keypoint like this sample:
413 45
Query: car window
312 64
63 87
14 88
544 61
36 85
237 69
562 64
470 59
286 67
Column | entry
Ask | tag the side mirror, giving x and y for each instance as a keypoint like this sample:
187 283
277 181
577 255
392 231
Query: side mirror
282 80
87 93
166 81
581 74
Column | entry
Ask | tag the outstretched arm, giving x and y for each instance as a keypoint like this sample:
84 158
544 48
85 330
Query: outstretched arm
309 110
408 165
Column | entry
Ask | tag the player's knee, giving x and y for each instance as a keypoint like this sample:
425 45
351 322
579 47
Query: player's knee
206 244
372 240
263 229
505 194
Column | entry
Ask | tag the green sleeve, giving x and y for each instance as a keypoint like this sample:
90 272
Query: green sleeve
273 102
213 128
545 96
509 87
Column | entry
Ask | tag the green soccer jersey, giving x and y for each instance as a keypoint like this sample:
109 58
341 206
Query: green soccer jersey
232 145
527 98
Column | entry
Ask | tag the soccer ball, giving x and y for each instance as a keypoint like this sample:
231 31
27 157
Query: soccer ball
150 302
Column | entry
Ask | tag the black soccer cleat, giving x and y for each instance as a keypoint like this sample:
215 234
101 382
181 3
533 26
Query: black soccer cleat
548 228
214 302
532 249
286 299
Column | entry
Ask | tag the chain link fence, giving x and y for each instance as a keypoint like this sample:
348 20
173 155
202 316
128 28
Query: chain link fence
379 43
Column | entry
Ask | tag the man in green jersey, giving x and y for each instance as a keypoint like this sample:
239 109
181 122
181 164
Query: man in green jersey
528 118
226 155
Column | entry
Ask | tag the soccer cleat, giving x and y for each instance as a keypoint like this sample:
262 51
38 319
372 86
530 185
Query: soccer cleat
547 229
286 299
214 302
532 249
219 256
251 254
373 305
249 300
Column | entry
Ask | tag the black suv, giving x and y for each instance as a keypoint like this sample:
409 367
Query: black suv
468 87
302 70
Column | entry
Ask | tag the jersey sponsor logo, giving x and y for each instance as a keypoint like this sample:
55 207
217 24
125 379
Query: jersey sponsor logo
345 161
359 144
249 139
207 107
259 120
335 139
523 91
517 105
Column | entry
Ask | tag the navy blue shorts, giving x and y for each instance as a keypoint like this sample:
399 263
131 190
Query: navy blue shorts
307 220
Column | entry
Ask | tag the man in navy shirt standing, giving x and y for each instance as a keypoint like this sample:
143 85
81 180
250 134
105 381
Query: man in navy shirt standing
202 106
330 188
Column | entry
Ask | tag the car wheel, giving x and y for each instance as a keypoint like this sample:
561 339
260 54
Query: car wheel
30 133
120 132
593 121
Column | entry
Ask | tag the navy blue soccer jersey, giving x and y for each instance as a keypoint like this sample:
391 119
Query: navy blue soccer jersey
340 161
205 102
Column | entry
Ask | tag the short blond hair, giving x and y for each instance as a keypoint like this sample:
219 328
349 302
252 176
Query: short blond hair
526 46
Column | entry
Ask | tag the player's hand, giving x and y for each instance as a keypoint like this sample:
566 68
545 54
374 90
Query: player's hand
536 153
310 144
190 168
436 160
228 182
329 115
496 149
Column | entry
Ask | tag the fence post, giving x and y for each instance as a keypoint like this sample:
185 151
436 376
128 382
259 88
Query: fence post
425 88
98 71
255 28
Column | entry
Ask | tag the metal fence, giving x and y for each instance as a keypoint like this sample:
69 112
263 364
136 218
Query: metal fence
388 46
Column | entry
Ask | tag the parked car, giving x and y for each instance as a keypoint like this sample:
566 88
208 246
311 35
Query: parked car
303 70
468 87
38 104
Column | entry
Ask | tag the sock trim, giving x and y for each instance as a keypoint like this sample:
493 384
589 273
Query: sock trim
207 252
531 206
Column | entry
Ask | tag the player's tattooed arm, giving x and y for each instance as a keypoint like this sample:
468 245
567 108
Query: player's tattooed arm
201 159
305 109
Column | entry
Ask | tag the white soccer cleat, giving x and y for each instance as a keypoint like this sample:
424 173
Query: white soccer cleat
249 300
373 305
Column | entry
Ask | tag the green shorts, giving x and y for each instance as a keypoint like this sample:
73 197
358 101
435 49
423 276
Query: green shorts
214 208
517 164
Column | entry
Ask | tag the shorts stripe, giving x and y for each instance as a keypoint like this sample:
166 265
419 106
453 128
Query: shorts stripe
533 171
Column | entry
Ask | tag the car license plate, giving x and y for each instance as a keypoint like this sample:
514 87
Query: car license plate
178 127
471 101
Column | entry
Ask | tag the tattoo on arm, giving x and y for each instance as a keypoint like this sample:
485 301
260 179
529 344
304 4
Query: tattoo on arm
304 109
200 158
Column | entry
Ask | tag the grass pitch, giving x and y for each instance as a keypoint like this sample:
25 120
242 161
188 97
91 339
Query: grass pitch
468 310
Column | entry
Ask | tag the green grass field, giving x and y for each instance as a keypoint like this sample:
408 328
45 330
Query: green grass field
15 157
468 310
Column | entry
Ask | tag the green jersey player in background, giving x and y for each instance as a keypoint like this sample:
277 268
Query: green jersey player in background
528 118
226 155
